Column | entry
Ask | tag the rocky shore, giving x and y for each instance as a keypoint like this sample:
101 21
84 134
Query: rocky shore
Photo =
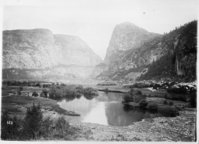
181 128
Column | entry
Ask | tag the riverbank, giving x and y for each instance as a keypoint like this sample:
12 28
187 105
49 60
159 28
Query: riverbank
180 128
17 105
121 89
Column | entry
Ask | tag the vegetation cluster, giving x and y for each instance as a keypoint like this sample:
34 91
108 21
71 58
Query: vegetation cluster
34 127
71 91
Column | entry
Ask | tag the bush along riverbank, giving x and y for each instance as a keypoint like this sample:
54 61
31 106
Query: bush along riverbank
71 92
168 104
35 127
16 99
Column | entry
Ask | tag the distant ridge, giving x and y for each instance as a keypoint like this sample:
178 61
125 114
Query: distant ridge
135 54
40 49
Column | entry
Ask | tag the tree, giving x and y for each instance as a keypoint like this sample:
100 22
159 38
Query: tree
45 92
128 98
35 94
143 103
32 122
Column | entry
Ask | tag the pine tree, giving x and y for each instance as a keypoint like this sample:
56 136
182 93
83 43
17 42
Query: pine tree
32 123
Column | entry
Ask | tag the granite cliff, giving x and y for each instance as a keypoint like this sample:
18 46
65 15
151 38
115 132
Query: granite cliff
39 54
135 54
126 36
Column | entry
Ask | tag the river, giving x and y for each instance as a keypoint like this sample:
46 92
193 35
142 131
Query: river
106 109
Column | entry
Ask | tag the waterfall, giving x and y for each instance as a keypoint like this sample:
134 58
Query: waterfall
178 67
178 64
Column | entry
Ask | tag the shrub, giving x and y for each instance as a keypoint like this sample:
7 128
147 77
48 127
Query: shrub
138 98
138 92
128 98
35 94
178 97
193 100
56 93
152 106
170 103
131 92
143 103
62 126
79 89
20 88
34 128
37 85
165 102
46 127
90 91
134 96
70 92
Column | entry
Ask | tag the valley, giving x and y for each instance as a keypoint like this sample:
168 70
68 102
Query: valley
144 90
121 121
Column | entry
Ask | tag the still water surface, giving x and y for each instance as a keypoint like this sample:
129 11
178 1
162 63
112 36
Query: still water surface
106 109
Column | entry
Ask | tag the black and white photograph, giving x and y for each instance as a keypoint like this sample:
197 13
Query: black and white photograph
99 70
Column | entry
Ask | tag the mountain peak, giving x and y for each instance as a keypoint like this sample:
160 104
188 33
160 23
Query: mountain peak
128 24
126 36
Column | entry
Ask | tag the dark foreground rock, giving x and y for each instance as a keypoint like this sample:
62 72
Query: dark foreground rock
180 128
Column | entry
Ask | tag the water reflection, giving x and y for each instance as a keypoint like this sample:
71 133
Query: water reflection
81 105
129 108
97 115
106 109
78 96
72 97
120 115
110 97
89 97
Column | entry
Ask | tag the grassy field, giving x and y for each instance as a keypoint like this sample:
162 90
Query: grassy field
10 90
18 105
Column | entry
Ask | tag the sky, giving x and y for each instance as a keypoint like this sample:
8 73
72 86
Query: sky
94 20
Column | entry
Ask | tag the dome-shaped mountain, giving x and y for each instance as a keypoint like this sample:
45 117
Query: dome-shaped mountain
126 36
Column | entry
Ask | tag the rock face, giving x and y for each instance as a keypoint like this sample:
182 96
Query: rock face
126 36
138 55
39 50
